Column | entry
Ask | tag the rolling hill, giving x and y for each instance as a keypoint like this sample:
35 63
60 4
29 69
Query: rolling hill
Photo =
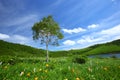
12 49
109 47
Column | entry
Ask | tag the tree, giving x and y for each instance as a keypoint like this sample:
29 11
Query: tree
48 32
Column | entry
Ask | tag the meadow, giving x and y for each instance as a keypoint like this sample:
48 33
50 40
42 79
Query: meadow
61 68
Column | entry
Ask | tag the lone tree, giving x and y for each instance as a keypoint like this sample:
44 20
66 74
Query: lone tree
48 32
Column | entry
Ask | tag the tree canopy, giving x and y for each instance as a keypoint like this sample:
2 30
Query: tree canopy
47 31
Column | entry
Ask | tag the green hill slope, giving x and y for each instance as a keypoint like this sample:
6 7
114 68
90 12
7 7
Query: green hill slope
109 47
13 49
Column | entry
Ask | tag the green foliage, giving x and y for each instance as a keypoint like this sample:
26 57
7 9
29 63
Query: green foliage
79 59
47 30
61 69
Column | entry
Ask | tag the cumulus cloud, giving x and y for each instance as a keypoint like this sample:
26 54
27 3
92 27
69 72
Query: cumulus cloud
75 30
4 36
93 26
69 42
102 36
14 38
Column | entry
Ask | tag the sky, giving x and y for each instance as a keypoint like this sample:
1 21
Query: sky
82 22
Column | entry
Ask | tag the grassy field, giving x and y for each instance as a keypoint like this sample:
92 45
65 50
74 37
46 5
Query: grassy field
59 69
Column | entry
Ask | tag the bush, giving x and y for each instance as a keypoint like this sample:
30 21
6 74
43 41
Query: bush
79 59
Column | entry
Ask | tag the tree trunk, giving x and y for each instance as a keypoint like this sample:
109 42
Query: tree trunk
47 57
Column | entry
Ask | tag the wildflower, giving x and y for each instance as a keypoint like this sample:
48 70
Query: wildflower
46 71
28 74
5 67
0 63
73 70
40 69
36 78
22 73
77 78
89 69
118 66
47 65
65 79
105 68
34 70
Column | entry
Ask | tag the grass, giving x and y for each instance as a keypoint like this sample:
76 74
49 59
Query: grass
61 69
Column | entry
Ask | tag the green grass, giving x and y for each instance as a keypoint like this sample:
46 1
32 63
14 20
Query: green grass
18 50
61 69
104 49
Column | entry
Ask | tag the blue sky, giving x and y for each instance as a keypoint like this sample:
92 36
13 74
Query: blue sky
83 22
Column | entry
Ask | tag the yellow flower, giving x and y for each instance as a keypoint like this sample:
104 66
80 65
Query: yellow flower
77 78
65 79
36 78
28 74
46 71
47 65
40 69
22 73
5 67
73 70
118 66
89 69
105 68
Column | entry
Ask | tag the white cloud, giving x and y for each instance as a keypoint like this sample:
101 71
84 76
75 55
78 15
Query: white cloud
14 38
93 26
102 36
69 42
75 30
4 36
89 39
19 37
112 31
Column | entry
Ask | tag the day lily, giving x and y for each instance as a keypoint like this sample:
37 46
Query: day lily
46 71
36 78
5 67
40 69
47 65
65 79
28 74
77 78
105 68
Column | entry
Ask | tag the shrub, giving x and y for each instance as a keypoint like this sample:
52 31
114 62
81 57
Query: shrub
79 59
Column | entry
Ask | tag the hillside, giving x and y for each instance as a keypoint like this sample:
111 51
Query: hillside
12 49
109 47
